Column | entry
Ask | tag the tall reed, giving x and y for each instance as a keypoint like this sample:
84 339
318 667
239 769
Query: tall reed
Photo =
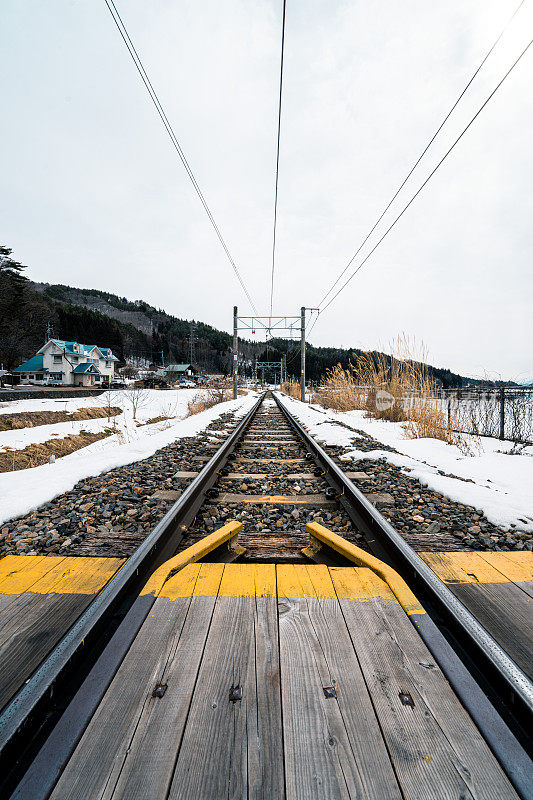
399 388
292 388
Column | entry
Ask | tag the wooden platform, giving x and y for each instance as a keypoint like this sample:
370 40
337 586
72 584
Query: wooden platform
498 589
40 598
265 681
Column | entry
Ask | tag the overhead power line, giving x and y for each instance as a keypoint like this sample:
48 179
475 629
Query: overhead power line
421 156
433 171
164 119
277 158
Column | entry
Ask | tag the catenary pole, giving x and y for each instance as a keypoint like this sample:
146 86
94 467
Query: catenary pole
235 352
302 343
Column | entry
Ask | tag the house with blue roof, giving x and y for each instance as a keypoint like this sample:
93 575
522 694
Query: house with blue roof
69 364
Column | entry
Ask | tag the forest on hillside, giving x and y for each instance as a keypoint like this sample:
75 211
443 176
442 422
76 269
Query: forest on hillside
139 333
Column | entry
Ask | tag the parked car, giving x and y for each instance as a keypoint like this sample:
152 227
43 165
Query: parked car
186 384
116 385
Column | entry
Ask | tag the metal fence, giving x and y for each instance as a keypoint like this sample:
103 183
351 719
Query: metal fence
503 413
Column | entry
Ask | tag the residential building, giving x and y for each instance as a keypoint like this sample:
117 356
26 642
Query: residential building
174 372
70 364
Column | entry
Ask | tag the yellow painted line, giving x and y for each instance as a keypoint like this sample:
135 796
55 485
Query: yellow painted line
248 580
518 570
275 498
403 593
19 573
79 575
480 567
274 460
238 580
181 584
190 555
522 557
360 584
194 580
63 575
265 580
446 568
305 581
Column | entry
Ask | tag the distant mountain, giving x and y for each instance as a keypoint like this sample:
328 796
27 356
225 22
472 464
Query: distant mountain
139 333
166 336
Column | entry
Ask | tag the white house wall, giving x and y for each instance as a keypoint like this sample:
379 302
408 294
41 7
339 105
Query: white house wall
70 361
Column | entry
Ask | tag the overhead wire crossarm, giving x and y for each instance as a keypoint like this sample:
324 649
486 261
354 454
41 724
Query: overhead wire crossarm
164 119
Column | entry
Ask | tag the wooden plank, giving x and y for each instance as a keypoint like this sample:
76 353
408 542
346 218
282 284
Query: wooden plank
478 568
149 763
333 746
286 499
445 567
523 558
19 573
514 570
272 460
436 750
294 476
232 748
34 625
129 710
507 614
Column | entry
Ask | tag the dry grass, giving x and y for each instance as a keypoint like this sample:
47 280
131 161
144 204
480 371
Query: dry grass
340 390
32 419
207 398
36 454
397 390
153 420
292 388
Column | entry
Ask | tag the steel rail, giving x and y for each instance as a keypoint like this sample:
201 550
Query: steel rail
18 717
412 568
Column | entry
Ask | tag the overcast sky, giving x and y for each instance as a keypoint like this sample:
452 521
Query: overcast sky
93 194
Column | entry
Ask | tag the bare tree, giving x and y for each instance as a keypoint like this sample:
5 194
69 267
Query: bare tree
138 397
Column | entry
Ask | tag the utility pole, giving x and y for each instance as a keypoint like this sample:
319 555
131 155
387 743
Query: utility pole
235 352
284 368
192 328
502 412
302 344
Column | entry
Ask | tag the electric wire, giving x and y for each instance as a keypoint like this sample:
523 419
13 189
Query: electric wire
422 154
277 158
426 181
161 112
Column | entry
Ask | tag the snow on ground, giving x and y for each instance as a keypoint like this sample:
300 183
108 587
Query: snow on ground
151 403
24 490
502 485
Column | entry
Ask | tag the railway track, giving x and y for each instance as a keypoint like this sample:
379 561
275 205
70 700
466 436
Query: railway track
269 475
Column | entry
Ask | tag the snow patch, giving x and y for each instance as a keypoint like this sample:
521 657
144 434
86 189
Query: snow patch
501 484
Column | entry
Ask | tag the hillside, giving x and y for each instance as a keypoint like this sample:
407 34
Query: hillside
136 331
170 335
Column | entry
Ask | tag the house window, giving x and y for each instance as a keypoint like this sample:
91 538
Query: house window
97 377
38 377
108 363
56 376
58 359
75 359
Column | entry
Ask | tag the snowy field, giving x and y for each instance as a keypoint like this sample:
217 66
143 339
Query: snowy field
502 485
133 440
